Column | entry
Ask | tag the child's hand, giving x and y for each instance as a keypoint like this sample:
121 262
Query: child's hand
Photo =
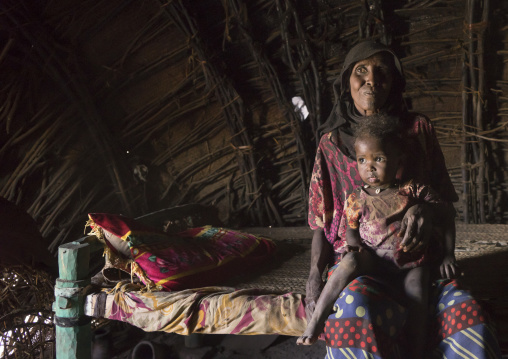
449 268
354 248
350 249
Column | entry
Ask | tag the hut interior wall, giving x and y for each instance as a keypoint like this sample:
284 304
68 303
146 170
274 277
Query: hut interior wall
133 106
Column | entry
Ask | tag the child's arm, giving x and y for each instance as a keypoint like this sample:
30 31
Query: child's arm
448 267
353 238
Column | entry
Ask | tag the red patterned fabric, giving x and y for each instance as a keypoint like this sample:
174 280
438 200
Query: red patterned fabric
196 257
335 176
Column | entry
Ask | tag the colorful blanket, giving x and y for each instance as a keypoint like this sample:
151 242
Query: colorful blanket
192 258
208 310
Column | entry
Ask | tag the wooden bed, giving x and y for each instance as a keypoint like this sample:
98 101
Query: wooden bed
270 301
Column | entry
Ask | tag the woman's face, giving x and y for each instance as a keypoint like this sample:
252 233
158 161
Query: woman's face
370 82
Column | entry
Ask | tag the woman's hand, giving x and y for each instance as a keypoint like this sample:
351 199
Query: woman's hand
416 228
449 268
313 289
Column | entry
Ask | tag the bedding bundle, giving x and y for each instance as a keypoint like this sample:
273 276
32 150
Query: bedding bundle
194 257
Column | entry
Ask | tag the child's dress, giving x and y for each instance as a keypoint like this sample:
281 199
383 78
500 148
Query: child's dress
378 219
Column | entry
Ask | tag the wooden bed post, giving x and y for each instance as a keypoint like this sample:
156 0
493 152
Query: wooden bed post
73 329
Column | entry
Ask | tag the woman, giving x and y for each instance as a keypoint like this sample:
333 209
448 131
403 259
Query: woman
369 316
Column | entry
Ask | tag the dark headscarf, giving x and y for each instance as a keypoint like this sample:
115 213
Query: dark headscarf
344 113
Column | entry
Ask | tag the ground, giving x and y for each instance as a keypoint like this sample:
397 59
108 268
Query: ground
174 346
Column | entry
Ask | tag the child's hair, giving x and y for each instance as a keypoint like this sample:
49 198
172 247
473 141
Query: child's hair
382 127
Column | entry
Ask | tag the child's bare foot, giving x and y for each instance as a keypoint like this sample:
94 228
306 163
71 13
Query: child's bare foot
306 340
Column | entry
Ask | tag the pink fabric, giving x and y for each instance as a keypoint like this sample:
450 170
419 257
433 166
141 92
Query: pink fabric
200 256
195 257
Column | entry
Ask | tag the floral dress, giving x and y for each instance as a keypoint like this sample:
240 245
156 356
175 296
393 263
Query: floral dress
378 219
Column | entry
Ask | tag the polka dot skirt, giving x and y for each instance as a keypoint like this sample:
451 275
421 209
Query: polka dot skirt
369 323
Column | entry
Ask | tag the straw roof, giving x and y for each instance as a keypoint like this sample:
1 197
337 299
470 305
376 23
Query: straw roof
133 106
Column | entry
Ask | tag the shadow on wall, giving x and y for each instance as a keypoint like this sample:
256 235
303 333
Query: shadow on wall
21 241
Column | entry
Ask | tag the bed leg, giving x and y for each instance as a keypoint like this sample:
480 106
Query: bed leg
194 340
72 326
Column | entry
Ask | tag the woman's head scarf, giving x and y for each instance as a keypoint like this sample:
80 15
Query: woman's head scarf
344 113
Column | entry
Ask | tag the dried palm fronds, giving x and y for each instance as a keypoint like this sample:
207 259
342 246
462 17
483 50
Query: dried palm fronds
128 108
27 329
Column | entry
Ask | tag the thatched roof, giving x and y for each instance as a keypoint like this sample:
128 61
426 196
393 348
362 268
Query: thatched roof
133 106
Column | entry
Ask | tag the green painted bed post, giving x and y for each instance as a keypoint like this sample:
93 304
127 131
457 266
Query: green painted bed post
73 329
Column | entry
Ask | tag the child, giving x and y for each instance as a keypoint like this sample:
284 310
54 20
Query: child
374 213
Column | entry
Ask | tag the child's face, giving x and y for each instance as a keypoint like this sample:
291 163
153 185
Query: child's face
377 162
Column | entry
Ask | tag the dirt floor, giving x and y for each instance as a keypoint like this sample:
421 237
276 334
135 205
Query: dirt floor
130 341
173 346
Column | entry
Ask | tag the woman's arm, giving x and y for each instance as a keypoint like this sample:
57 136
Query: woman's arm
416 226
321 255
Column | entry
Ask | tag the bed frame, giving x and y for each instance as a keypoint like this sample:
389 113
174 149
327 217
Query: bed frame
72 327
482 252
